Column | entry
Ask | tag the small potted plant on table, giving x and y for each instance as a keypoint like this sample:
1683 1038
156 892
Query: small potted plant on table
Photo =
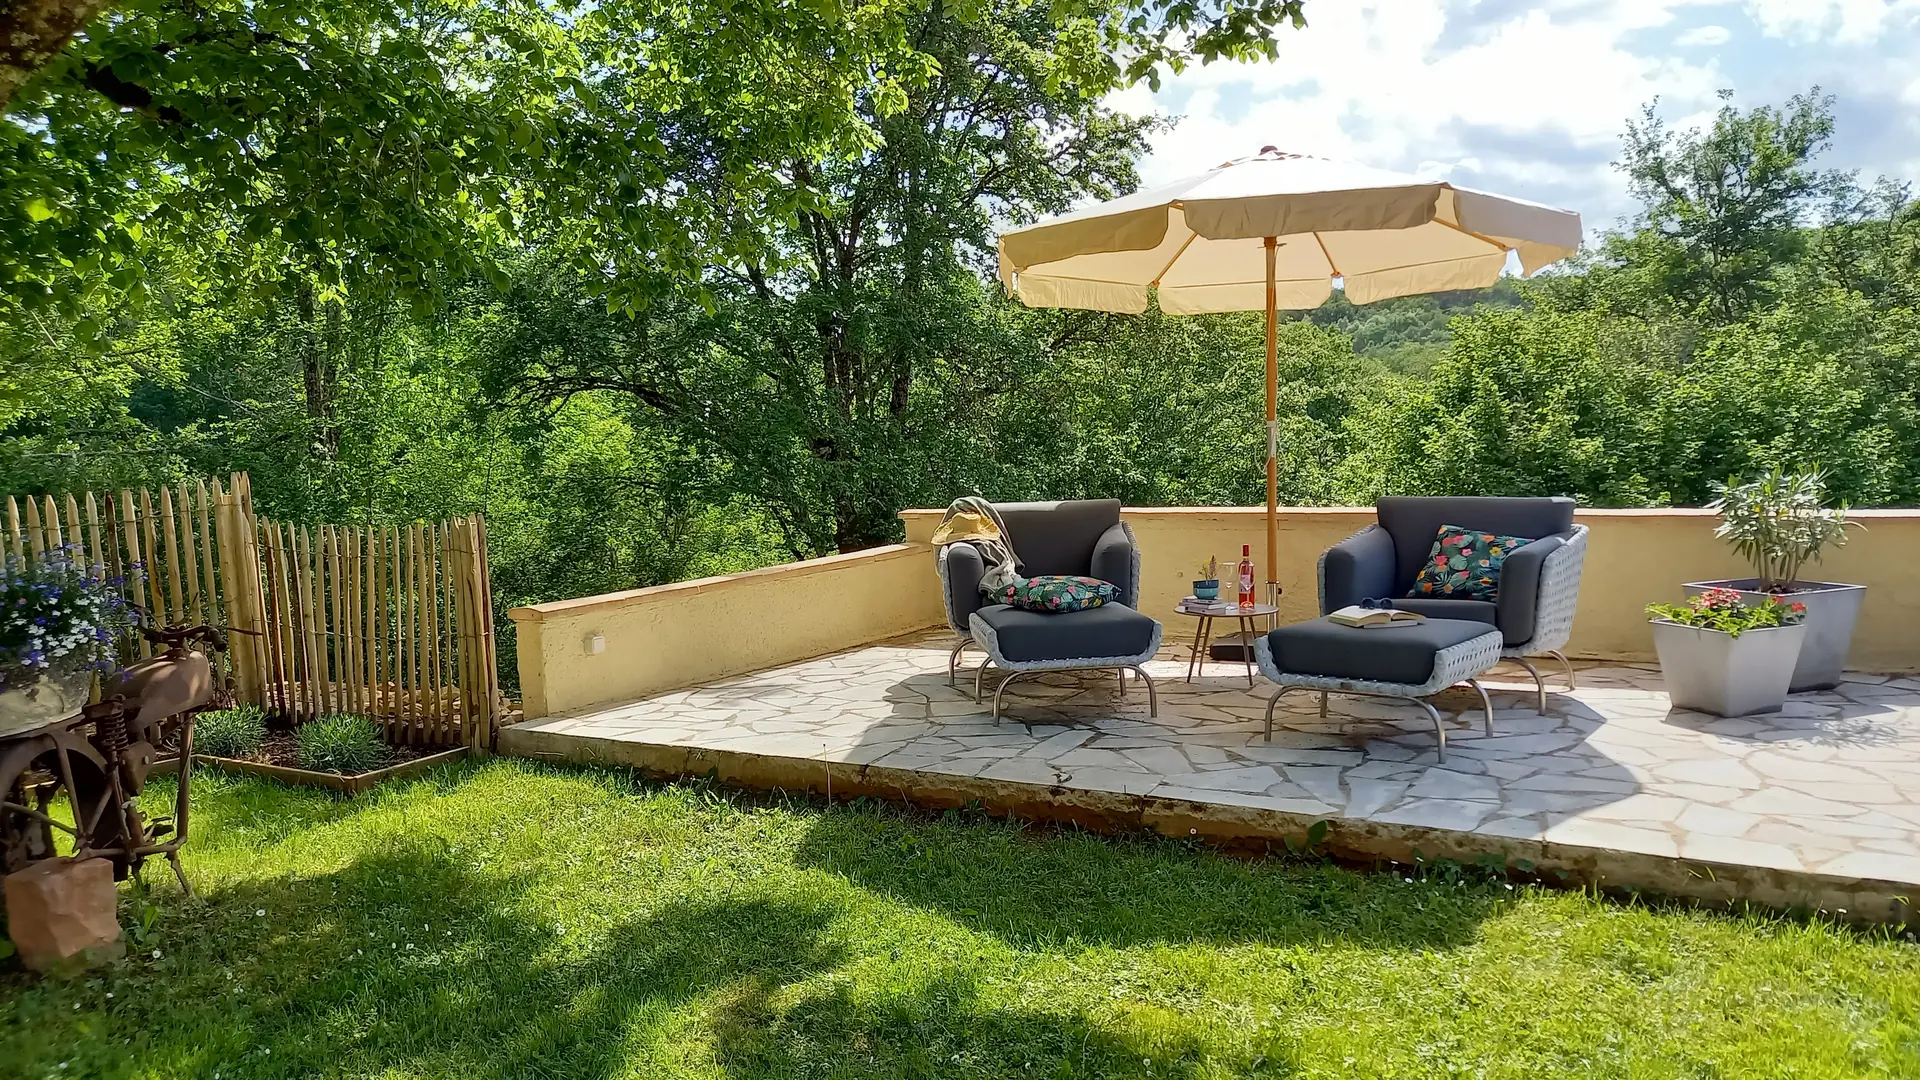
1207 585
1723 655
1779 522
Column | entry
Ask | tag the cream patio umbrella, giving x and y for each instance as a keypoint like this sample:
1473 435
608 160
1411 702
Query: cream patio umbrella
1273 231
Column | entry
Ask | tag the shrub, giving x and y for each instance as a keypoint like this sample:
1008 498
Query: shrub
342 743
1779 522
230 733
1722 609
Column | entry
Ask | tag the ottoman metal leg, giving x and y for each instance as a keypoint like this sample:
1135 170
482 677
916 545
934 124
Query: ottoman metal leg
1539 684
953 662
1439 730
979 681
1485 702
1275 700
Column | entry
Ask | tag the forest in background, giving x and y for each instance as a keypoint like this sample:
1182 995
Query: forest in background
664 296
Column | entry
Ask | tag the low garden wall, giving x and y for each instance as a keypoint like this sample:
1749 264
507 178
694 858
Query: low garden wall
671 636
1633 557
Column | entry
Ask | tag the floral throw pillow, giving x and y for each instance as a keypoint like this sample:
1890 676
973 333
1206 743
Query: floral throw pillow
1057 592
1465 564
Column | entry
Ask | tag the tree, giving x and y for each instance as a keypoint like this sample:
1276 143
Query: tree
841 349
1725 207
32 33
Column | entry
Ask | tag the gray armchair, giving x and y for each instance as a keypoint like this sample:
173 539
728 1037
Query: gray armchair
1539 583
1083 537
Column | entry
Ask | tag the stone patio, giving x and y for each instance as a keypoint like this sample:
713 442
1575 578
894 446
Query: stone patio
1818 806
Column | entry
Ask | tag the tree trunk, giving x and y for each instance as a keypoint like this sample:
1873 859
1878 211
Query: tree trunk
32 33
320 371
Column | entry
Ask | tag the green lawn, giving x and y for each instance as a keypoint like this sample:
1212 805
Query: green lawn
513 920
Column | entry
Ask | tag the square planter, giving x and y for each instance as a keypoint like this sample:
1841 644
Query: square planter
1831 612
1712 671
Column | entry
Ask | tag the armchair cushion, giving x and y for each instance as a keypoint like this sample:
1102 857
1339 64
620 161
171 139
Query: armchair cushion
1358 567
1519 599
1414 521
961 568
1464 564
1113 561
1059 537
1480 611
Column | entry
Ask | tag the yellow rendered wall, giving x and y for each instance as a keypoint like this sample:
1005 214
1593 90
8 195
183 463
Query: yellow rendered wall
678 635
1633 557
689 632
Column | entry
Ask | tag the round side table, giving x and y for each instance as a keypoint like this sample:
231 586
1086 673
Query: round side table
1203 634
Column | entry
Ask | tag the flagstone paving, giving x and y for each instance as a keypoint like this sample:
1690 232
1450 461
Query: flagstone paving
1830 785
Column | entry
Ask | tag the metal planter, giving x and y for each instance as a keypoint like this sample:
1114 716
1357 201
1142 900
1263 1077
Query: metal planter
1831 612
1713 671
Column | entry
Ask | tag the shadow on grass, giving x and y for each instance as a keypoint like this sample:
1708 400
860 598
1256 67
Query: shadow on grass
1052 887
415 962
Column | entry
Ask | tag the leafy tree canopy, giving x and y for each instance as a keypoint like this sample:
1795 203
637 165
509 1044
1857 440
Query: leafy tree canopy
368 145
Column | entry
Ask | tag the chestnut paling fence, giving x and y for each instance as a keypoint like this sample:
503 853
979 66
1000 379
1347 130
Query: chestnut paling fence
392 622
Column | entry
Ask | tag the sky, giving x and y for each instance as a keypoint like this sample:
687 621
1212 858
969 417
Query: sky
1528 97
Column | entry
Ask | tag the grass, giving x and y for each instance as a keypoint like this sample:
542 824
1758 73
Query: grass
508 919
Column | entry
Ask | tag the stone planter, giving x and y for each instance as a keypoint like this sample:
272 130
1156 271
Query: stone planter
1713 671
52 698
1831 611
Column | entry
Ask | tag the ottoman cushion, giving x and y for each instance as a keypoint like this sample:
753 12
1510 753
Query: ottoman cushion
1111 630
1399 654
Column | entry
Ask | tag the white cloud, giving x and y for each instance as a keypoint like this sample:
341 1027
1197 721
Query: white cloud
1529 103
1705 35
1843 21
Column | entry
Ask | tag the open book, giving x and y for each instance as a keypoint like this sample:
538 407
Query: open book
1355 615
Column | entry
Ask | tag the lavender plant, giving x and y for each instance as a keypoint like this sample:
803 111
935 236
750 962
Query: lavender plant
58 616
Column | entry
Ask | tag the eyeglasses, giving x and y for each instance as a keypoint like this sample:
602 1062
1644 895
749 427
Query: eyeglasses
1381 603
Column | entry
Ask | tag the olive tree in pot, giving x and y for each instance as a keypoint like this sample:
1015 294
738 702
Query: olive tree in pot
1780 522
1723 655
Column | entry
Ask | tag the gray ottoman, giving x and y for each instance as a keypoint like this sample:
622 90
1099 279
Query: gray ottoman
1406 662
1019 642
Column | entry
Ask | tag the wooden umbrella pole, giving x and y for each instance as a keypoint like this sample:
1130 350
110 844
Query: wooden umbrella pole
1273 428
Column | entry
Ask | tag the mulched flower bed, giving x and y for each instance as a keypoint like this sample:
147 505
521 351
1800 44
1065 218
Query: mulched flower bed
278 749
279 760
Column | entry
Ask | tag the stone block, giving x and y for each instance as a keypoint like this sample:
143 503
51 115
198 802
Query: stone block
61 915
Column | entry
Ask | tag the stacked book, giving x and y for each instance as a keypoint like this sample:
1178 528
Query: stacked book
1193 605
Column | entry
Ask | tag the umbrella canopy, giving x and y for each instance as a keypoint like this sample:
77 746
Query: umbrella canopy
1273 231
1201 241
